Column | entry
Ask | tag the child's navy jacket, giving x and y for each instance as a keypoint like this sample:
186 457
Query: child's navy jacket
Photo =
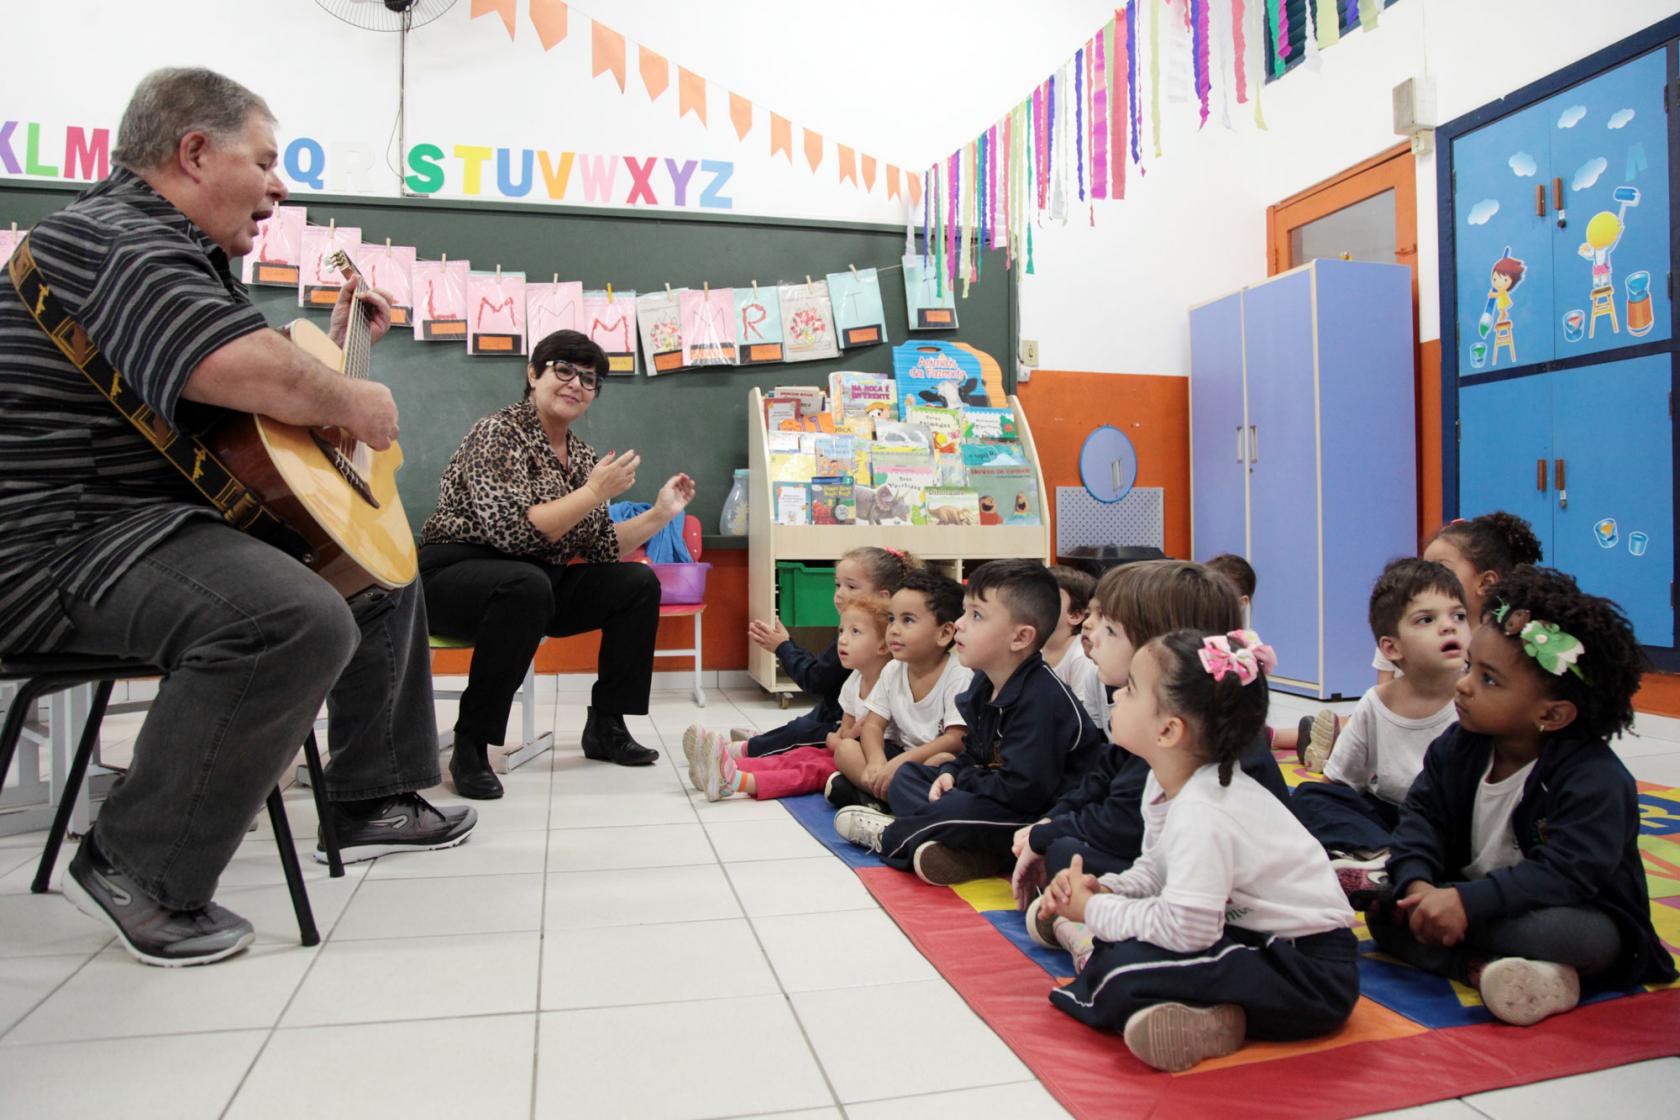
819 674
1577 825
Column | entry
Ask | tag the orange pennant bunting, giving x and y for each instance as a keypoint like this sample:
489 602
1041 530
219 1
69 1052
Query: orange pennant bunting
549 18
740 112
503 8
914 183
607 51
892 182
691 94
868 173
848 164
656 72
781 136
813 148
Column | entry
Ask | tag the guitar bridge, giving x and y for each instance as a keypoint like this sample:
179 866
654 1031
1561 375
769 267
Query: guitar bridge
342 464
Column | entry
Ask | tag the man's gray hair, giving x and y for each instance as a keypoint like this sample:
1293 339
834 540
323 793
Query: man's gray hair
169 103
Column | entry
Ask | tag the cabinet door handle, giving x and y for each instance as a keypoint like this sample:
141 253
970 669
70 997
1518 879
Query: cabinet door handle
1560 482
1242 447
1253 443
1557 200
1540 475
1540 200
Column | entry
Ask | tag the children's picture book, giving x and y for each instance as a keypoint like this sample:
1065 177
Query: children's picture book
807 322
1003 453
793 503
811 398
555 306
440 300
861 426
952 506
318 279
952 471
275 257
989 423
833 500
795 467
859 317
929 307
1008 494
842 454
941 374
609 319
944 424
782 443
495 313
852 394
896 433
659 319
390 268
781 414
758 326
708 326
899 491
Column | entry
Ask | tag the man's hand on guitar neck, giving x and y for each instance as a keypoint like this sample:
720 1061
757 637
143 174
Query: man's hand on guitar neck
376 300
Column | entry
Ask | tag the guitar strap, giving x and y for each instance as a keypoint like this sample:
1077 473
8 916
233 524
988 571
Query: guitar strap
238 504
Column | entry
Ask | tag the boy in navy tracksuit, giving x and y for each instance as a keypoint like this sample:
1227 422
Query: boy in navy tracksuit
1026 733
1515 866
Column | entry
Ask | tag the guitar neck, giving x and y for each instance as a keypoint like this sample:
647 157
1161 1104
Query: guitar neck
358 336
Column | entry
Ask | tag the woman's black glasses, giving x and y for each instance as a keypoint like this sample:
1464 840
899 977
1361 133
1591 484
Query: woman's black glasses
566 372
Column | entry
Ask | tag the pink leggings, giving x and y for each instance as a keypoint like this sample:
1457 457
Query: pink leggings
789 774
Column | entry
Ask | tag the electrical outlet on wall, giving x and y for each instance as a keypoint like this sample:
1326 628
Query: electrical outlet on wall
1029 353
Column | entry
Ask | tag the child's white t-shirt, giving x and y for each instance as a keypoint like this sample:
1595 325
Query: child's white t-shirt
912 722
1493 842
1383 665
1381 753
852 700
1079 673
1236 849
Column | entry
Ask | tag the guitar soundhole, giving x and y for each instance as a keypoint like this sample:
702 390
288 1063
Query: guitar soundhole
341 463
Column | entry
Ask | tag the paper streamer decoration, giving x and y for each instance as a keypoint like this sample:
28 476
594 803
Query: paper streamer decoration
495 313
1239 51
807 321
1199 53
555 306
440 301
1328 18
274 257
659 320
609 319
758 325
318 282
708 326
925 308
859 318
390 268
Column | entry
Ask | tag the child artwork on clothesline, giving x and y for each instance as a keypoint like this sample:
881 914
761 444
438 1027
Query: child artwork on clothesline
318 281
708 326
390 268
9 239
440 300
807 321
659 316
928 310
273 259
758 325
496 312
556 306
609 319
859 318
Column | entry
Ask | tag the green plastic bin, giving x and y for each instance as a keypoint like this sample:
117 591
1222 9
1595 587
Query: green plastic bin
805 594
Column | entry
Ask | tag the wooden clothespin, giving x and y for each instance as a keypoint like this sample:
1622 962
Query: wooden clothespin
667 287
855 275
755 289
387 246
445 261
706 287
498 273
332 226
609 293
556 279
809 287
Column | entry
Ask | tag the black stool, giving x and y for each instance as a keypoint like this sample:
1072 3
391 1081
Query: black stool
41 675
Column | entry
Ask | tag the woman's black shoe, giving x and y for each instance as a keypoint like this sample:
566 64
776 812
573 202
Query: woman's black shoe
606 739
469 765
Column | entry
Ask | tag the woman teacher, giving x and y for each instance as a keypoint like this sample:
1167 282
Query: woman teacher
521 547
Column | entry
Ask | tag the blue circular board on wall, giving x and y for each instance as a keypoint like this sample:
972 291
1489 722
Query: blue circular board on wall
1108 464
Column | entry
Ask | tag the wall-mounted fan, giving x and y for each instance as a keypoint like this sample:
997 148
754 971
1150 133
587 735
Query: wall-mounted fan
386 15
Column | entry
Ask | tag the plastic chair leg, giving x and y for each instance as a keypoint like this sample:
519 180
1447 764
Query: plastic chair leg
294 873
72 783
323 807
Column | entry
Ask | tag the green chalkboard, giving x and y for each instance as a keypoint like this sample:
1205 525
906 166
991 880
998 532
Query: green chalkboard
691 421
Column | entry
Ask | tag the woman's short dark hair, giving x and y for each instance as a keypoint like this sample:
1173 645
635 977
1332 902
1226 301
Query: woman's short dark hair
574 347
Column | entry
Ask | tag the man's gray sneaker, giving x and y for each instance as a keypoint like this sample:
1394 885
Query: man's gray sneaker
151 933
404 822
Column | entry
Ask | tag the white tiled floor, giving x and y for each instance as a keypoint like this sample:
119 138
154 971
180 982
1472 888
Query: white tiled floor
607 944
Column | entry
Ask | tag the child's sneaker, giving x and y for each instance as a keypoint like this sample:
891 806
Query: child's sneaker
691 752
719 771
1076 938
1041 927
840 793
1523 992
1173 1037
1362 874
741 735
862 826
943 866
1318 740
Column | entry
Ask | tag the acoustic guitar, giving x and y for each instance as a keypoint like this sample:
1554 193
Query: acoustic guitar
334 492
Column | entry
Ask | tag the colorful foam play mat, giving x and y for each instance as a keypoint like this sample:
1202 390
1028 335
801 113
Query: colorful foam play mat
1414 1037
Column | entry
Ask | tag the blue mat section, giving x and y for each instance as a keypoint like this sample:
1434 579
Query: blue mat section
1013 925
817 815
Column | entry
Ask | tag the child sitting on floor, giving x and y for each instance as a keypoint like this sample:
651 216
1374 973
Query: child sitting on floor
912 711
1025 729
1241 574
1417 616
1515 867
1065 652
865 570
1230 923
862 646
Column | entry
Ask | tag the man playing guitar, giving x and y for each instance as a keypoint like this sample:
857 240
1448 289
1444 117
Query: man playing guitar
105 548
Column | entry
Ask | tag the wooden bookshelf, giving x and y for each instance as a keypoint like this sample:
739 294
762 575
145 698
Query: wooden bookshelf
952 549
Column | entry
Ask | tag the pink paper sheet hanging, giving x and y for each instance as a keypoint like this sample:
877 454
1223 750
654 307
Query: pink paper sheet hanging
610 322
556 306
273 259
440 300
708 326
495 313
390 268
318 281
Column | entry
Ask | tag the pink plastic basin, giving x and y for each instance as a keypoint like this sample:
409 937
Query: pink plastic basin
682 583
